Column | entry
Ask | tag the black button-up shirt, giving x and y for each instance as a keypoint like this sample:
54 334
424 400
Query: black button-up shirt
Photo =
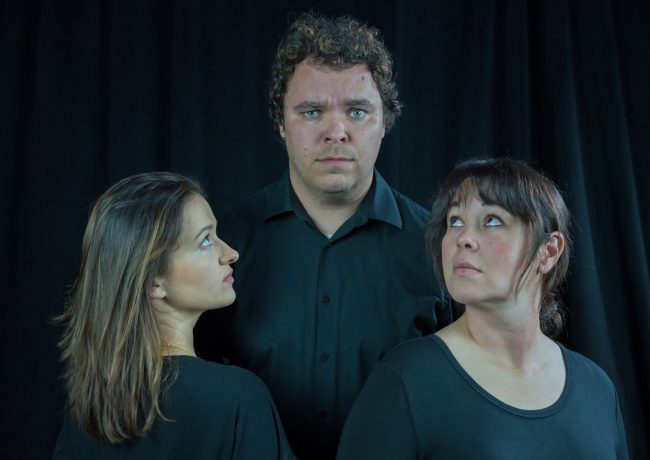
314 315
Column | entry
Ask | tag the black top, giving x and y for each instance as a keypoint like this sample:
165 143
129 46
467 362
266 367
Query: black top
419 403
314 315
218 412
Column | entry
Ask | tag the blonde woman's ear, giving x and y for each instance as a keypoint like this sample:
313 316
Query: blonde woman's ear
551 251
157 290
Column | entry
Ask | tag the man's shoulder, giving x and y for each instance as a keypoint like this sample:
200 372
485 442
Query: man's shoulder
242 221
409 209
253 205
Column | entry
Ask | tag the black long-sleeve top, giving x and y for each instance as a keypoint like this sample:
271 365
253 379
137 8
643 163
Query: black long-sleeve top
216 412
419 403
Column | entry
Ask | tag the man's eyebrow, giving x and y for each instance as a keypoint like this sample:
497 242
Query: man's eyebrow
359 103
310 105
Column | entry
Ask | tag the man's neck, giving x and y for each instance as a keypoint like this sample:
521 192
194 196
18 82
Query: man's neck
330 211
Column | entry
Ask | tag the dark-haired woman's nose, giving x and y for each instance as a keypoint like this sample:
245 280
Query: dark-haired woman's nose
467 240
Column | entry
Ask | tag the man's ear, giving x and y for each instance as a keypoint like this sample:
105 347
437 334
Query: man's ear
281 131
551 251
157 289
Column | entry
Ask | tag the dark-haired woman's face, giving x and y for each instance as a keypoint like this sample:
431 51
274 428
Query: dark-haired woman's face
199 276
482 253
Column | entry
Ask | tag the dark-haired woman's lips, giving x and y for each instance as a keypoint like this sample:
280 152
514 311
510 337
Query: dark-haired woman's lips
465 268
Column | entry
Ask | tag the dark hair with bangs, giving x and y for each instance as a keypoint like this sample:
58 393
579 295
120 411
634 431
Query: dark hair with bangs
114 376
526 194
338 44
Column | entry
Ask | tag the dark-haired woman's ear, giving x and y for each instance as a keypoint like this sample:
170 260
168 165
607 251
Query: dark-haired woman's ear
551 251
157 290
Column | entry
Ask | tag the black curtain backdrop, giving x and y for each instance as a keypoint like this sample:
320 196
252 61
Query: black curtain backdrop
91 92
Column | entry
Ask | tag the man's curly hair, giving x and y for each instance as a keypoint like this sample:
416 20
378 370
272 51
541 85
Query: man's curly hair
338 44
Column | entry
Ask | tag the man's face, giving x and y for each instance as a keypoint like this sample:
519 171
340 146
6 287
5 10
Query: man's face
333 127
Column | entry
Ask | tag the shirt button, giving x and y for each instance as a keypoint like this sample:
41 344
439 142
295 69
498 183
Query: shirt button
326 299
323 414
324 356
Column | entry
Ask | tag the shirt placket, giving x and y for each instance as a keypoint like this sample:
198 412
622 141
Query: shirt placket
326 334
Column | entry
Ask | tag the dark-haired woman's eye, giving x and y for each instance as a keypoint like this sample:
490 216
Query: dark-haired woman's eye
493 221
454 221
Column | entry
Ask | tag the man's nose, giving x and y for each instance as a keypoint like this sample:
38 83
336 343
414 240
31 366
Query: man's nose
336 130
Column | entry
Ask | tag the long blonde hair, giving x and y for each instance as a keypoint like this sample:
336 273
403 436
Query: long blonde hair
111 346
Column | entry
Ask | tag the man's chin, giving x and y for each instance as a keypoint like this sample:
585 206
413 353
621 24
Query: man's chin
335 185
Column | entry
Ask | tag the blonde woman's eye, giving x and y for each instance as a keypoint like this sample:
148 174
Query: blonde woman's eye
207 242
493 221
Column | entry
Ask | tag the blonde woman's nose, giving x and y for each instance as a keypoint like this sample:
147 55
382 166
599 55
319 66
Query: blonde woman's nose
230 256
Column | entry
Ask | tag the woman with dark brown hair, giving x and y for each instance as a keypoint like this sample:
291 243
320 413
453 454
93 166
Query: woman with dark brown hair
493 384
151 264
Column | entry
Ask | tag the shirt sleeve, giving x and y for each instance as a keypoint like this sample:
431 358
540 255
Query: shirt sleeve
380 425
259 433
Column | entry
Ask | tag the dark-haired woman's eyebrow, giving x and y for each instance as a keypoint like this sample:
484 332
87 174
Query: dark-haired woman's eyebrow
489 202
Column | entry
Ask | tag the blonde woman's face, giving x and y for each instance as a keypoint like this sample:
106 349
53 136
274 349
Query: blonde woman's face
199 276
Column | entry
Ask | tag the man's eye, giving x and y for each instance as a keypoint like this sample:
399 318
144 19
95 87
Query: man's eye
454 222
310 114
493 221
357 113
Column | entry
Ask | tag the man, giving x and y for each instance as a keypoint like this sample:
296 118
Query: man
332 272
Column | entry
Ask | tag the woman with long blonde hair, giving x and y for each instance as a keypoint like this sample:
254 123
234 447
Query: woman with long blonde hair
151 264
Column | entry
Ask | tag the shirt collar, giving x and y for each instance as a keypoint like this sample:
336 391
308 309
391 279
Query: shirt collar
383 205
378 204
280 198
